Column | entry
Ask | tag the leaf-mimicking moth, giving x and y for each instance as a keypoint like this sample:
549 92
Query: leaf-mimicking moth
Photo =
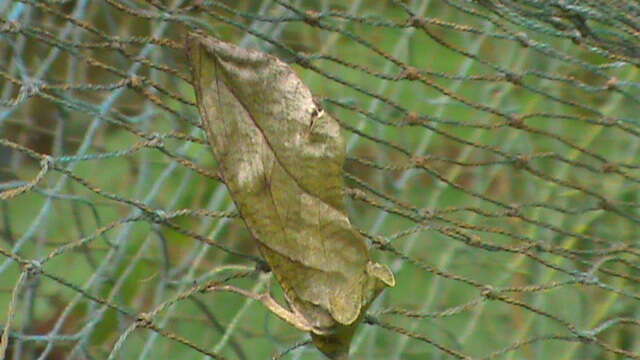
281 157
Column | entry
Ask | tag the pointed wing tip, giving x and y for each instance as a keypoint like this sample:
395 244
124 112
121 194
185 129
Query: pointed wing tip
382 273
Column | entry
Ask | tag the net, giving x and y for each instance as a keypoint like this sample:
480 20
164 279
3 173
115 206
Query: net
492 164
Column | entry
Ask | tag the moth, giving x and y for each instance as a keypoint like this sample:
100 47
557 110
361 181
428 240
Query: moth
281 158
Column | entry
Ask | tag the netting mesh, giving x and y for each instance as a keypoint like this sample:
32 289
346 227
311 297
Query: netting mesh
492 146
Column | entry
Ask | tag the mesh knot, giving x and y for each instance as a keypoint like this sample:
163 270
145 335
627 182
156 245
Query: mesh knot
31 87
515 122
303 61
155 140
513 78
47 161
412 118
312 18
586 278
135 81
521 161
32 268
411 73
539 247
428 214
157 215
417 21
381 244
116 43
488 292
609 167
421 161
513 211
356 193
144 320
586 336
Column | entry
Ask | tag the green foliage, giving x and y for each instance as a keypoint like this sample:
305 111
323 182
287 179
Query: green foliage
508 159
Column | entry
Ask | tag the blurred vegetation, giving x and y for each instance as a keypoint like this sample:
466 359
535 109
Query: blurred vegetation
444 106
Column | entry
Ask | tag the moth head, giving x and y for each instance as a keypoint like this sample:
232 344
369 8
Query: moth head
379 278
381 274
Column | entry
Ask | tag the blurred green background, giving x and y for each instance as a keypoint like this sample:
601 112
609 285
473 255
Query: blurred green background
495 146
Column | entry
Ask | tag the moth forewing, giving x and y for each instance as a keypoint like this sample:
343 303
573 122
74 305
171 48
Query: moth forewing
282 160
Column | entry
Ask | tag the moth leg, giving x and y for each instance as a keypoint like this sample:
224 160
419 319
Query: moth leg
293 318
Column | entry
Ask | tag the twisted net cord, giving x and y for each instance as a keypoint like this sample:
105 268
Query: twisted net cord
608 31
